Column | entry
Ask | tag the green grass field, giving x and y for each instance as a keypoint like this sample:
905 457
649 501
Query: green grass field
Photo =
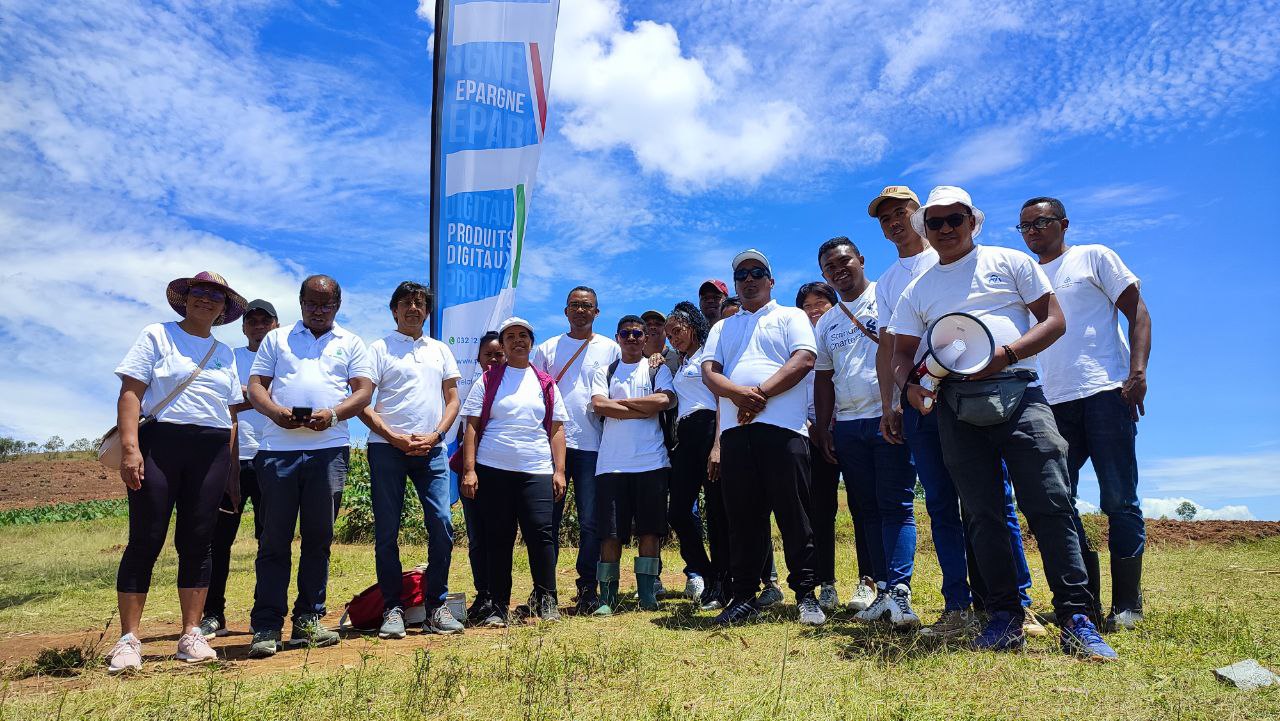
1207 606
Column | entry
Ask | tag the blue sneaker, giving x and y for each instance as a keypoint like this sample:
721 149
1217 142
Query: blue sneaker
1080 638
1002 633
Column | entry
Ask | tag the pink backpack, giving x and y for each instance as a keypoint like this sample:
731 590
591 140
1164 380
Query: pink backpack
493 379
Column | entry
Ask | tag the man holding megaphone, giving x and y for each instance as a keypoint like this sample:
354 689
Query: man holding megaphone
997 413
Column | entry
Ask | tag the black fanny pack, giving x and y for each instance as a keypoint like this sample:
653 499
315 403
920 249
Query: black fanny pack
990 401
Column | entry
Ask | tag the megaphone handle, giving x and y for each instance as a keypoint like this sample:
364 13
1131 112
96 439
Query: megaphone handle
930 384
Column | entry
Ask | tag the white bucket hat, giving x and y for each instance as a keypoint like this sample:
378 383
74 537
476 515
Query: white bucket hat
946 195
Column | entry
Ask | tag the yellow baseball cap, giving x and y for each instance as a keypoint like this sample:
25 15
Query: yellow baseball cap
892 191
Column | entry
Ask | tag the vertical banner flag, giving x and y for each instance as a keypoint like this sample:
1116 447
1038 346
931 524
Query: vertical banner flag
489 113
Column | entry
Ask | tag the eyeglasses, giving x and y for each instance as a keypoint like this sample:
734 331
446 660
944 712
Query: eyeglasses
756 273
1039 224
213 294
581 306
631 334
309 307
954 220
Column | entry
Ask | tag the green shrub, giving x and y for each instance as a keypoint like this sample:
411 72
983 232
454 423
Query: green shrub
82 511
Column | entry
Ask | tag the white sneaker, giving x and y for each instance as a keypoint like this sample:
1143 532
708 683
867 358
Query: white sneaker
694 587
900 613
864 595
193 648
876 610
126 655
1125 620
770 596
828 599
810 613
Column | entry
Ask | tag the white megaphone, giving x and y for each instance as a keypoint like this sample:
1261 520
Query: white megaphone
959 345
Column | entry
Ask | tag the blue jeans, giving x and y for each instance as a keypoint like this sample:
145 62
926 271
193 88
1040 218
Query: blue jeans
1099 428
299 489
388 468
580 472
945 520
880 478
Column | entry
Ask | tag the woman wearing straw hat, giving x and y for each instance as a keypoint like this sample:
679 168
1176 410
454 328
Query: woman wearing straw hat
184 382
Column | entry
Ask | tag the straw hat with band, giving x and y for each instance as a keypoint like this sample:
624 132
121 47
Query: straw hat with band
947 195
177 295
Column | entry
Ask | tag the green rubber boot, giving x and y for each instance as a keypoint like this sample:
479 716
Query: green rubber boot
647 581
607 575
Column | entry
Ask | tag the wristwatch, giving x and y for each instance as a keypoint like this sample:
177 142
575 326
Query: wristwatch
333 418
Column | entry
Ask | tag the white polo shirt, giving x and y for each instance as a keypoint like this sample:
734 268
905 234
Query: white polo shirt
692 394
1093 355
249 422
163 356
582 430
751 347
410 373
632 445
896 279
852 355
311 372
514 438
991 283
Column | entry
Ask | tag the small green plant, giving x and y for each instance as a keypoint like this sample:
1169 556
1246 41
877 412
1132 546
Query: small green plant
58 512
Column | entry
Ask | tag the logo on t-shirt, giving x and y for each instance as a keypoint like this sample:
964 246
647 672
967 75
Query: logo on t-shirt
995 279
339 353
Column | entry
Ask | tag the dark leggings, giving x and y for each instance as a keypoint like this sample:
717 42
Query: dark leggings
187 467
504 498
224 537
696 433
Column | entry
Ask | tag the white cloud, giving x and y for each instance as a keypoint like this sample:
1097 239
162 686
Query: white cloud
1244 475
1168 508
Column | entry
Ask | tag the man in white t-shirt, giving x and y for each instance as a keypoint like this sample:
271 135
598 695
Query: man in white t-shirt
983 422
417 403
892 208
756 362
572 360
879 476
632 468
258 320
1096 384
307 380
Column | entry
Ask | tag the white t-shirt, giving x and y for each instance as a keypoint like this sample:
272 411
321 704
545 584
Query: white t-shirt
852 355
514 438
310 372
692 394
633 445
249 422
163 356
1093 355
991 283
582 430
896 279
751 347
409 373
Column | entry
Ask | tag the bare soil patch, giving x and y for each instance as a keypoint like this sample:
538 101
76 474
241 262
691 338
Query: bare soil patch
30 483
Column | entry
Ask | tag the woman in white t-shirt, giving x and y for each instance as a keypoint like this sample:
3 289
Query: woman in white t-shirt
513 467
181 457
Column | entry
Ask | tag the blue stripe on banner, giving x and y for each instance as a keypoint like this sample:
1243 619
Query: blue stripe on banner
478 243
488 101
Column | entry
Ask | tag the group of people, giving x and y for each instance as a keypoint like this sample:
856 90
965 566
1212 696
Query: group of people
732 409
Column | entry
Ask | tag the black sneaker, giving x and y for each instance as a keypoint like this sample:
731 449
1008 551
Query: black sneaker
588 602
738 611
479 610
212 627
525 610
548 608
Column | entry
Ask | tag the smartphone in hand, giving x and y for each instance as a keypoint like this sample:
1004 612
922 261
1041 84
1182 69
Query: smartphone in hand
301 414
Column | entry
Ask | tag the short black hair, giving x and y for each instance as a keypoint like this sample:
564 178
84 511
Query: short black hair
410 287
629 318
834 243
584 289
690 315
321 279
1053 203
818 287
730 300
489 337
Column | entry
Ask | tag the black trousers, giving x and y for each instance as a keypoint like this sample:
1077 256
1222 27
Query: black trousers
765 469
695 435
505 499
224 536
825 494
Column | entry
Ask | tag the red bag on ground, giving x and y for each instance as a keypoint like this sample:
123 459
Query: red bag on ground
364 612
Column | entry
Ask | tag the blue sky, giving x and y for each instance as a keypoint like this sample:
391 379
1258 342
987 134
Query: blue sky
267 140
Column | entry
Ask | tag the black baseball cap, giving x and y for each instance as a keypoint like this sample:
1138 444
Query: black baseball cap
262 305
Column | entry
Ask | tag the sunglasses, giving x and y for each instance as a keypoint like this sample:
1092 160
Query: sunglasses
1039 224
954 220
212 294
581 306
631 334
310 307
756 273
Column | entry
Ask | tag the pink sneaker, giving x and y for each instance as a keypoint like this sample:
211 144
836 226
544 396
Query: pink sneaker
126 655
193 648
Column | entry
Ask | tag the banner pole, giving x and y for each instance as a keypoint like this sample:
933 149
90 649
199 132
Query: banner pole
437 162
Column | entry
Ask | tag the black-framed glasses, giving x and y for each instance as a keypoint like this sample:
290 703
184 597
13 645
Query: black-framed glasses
200 291
310 307
582 306
631 334
756 273
954 220
1040 223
